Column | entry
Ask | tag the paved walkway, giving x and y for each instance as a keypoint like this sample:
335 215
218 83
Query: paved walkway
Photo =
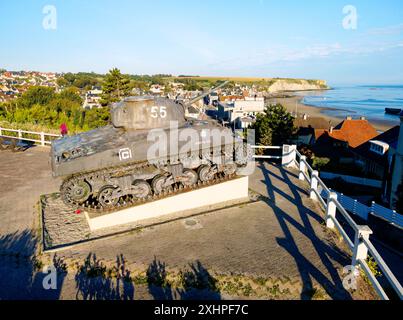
24 177
281 237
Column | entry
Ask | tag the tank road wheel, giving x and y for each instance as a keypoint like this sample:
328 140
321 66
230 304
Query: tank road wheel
75 191
141 189
204 173
230 169
190 177
107 198
158 184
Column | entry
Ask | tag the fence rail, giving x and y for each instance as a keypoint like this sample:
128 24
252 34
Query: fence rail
43 141
363 211
266 156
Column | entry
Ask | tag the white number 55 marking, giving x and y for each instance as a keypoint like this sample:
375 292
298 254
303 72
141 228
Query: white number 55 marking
158 112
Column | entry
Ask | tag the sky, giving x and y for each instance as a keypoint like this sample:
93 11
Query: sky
362 44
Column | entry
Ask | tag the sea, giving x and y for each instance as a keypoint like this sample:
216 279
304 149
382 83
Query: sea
362 100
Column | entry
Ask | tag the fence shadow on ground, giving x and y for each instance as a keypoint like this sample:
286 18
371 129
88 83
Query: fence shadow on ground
21 275
197 283
289 225
94 281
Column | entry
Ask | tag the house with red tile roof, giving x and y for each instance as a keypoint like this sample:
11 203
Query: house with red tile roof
349 133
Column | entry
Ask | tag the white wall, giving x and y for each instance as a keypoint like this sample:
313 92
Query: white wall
249 105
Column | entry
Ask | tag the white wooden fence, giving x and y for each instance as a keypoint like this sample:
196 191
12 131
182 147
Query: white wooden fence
361 245
44 138
363 211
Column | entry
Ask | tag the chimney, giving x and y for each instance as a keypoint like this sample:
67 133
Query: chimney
349 118
331 129
363 118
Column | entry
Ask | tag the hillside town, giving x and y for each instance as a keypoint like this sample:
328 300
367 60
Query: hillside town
14 83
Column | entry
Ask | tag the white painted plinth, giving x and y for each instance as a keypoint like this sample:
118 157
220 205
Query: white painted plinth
208 196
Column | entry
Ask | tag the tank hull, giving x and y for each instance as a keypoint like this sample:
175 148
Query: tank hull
110 147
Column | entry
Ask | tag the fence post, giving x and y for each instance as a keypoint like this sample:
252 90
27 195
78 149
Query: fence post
314 185
289 155
372 209
394 215
355 207
1 132
19 133
360 249
42 139
331 210
302 167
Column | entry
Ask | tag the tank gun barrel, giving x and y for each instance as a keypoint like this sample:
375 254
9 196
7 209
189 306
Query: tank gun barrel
206 93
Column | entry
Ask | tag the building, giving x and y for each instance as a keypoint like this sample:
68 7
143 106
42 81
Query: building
350 133
241 113
157 89
397 167
306 129
374 157
213 99
92 98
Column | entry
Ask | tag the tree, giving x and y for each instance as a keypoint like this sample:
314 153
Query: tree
274 126
115 87
80 80
72 94
96 117
62 82
36 95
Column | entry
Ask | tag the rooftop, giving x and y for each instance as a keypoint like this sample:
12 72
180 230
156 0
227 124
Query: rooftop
354 132
389 137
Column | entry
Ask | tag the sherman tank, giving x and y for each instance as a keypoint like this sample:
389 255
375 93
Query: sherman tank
150 149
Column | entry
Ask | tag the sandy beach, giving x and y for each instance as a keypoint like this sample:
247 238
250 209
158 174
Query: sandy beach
294 104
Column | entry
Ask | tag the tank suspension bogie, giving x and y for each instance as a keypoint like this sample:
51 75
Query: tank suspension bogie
141 189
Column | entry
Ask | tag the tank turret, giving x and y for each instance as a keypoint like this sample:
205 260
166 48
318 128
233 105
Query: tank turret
146 112
139 113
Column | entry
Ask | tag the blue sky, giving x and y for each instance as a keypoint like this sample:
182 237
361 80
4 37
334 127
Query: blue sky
261 38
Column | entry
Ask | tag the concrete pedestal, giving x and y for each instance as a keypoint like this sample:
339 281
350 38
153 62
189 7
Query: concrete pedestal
228 191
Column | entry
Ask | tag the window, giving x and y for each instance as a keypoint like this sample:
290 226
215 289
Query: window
379 147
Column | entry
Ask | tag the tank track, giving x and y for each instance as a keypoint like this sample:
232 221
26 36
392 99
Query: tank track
93 206
128 202
99 179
